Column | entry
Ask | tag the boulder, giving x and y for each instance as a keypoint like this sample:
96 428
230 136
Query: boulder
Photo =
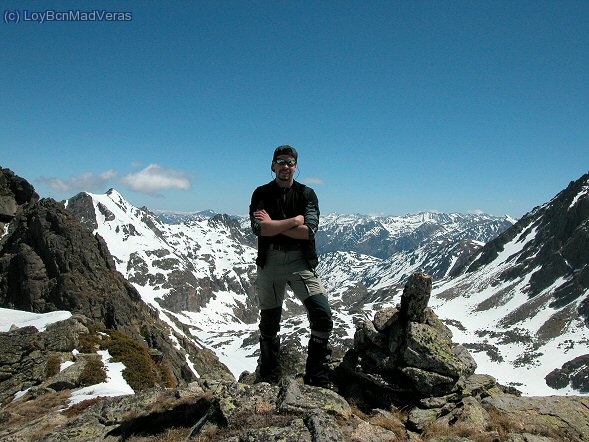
26 351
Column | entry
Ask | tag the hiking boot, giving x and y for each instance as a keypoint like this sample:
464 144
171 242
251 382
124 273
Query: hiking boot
269 365
317 368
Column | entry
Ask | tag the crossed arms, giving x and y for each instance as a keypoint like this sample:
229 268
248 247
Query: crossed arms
292 227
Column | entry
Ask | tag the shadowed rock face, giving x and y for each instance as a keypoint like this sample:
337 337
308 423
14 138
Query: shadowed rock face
574 372
50 262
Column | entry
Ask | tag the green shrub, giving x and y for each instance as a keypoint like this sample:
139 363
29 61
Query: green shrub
93 372
140 370
166 376
90 343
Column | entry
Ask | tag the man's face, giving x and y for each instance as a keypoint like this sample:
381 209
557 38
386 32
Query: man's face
284 166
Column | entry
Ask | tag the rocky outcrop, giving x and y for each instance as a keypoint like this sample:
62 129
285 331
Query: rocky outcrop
405 353
225 410
82 206
558 418
371 405
213 410
26 352
574 373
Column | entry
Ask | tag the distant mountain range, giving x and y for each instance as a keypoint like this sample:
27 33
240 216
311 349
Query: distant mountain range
515 293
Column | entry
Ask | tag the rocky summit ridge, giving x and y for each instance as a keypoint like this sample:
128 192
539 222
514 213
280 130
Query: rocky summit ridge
200 270
49 261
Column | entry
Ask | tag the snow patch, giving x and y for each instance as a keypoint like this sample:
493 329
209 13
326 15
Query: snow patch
20 318
115 384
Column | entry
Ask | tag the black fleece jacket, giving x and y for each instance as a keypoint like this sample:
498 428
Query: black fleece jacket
281 204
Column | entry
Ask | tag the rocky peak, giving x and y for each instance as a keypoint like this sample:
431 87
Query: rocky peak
554 244
82 206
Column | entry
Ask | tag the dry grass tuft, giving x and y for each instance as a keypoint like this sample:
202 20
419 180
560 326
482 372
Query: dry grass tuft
22 412
502 424
440 431
170 435
241 420
208 434
498 427
357 411
394 425
78 408
53 365
166 376
264 416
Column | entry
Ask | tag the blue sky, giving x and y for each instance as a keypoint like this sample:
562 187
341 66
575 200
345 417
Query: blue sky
395 107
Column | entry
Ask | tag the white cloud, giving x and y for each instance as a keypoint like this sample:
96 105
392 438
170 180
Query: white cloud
151 180
155 178
314 180
88 181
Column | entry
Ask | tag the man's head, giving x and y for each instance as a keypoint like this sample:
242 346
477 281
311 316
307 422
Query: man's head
284 164
285 150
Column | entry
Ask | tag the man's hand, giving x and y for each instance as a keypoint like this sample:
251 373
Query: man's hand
300 219
262 215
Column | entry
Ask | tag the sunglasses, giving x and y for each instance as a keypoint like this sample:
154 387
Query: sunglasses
289 163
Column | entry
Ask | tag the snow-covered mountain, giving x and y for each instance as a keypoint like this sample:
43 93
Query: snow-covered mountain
522 302
199 271
383 236
171 217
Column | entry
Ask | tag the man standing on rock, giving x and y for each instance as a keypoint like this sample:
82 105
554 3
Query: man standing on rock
284 216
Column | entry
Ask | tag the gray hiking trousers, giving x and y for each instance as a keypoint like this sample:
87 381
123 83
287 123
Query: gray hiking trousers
282 268
290 268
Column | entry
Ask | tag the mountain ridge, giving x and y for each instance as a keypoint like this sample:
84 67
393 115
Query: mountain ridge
540 267
203 278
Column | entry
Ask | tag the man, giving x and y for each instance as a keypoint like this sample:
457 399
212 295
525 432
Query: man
284 216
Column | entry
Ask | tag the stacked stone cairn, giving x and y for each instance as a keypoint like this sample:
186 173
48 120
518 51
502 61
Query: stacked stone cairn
405 354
